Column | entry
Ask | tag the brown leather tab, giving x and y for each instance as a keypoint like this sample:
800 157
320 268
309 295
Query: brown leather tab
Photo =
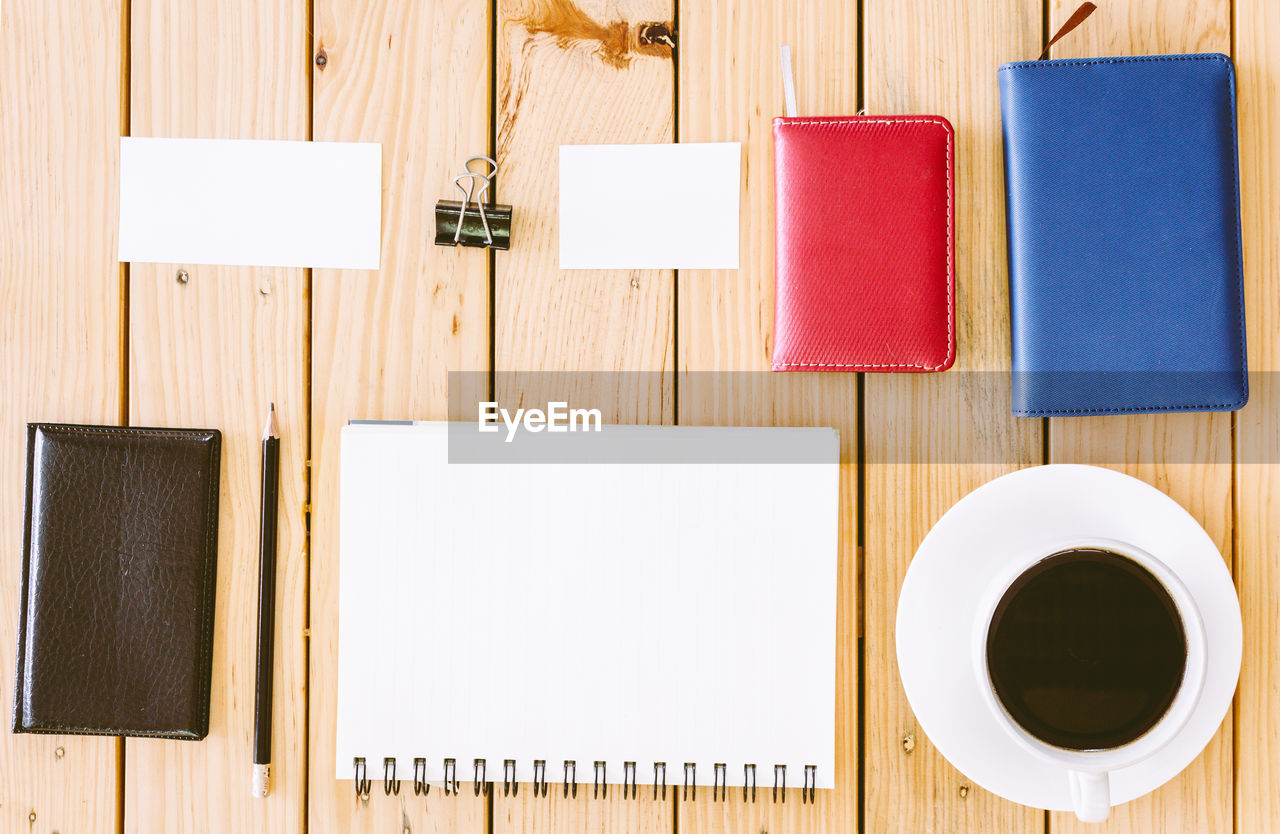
1077 17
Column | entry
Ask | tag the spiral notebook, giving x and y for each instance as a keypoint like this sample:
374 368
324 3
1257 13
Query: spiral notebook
666 616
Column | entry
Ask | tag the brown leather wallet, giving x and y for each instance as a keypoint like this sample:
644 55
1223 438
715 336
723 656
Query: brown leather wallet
115 634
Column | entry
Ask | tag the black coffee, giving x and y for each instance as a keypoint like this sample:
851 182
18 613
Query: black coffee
1086 650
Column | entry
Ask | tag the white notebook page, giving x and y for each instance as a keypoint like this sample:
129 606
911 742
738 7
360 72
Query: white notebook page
624 612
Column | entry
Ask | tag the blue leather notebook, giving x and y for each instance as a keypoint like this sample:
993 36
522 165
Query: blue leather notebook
1125 279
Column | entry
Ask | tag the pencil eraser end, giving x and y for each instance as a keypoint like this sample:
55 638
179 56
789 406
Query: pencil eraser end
261 780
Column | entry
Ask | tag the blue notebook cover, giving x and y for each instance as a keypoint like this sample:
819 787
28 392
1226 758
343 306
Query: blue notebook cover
1125 278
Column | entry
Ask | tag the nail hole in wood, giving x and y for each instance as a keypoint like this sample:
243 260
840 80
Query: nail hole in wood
651 33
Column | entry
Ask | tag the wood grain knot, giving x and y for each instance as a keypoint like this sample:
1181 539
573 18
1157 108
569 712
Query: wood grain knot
615 43
908 743
322 58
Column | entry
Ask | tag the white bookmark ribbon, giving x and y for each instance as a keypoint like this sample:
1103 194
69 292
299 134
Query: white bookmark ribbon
788 82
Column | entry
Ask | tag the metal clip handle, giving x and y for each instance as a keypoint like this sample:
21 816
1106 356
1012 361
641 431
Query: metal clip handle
472 178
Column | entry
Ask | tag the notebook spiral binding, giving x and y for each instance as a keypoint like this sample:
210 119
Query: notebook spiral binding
600 788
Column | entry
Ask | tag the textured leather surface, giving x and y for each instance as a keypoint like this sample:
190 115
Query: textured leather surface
115 634
1125 277
865 269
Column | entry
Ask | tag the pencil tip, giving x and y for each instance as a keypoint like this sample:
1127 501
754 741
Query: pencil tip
272 429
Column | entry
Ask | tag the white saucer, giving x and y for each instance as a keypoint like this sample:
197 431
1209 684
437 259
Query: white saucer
1038 510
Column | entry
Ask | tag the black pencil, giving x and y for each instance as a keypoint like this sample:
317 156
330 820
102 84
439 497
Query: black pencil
266 606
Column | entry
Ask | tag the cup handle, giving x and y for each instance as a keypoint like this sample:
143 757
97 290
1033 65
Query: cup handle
1090 795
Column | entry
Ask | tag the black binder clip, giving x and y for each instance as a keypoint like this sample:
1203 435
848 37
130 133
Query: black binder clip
472 221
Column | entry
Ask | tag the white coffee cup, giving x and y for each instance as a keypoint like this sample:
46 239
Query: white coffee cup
1087 771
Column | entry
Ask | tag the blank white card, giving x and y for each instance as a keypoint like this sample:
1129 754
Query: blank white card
588 612
650 206
250 202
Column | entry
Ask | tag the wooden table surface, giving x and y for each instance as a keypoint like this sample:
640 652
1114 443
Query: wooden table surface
85 339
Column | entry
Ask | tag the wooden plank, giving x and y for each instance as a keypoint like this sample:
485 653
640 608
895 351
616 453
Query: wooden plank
931 439
1188 456
730 90
1257 523
415 77
61 356
213 352
577 73
573 74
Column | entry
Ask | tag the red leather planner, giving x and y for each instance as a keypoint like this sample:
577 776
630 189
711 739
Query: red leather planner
865 224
